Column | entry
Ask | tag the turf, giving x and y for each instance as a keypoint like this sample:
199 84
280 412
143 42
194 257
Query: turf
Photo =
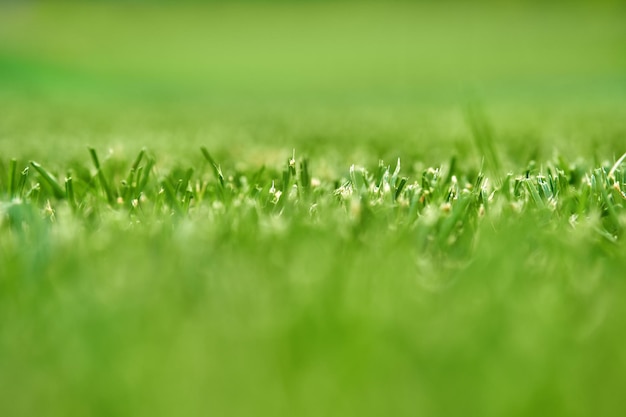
312 209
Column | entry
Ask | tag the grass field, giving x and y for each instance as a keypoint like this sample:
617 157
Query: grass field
312 209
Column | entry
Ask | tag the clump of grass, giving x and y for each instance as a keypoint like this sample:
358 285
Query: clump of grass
440 202
276 284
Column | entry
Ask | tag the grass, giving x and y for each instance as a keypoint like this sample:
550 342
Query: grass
144 290
291 209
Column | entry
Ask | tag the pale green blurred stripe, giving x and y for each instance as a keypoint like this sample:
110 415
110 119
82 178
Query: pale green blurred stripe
321 51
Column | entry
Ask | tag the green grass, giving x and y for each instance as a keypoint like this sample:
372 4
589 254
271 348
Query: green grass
312 209
149 290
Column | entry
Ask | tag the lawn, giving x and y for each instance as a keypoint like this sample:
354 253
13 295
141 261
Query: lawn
312 209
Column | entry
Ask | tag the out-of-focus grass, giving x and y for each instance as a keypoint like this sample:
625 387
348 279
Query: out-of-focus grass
324 51
324 78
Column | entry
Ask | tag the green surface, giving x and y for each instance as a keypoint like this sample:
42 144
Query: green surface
220 272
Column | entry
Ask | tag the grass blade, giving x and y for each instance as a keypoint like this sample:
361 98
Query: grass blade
401 185
617 164
69 191
12 175
145 175
49 179
216 169
101 177
22 183
170 195
305 175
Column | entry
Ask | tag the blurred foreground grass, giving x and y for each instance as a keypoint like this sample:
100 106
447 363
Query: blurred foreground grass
484 278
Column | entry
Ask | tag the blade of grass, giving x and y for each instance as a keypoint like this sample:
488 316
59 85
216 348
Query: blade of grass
617 164
130 179
145 176
170 195
12 175
216 169
57 190
69 191
138 159
305 176
401 185
534 193
22 183
101 177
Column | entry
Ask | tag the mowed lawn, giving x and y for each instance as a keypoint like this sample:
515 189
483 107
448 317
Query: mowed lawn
312 209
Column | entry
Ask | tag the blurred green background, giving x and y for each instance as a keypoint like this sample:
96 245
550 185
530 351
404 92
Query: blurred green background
253 78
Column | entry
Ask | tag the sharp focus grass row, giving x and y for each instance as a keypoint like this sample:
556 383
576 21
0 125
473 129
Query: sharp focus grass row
442 204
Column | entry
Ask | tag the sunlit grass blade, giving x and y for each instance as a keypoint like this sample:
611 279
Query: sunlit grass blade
534 193
611 174
216 168
359 179
69 191
22 182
